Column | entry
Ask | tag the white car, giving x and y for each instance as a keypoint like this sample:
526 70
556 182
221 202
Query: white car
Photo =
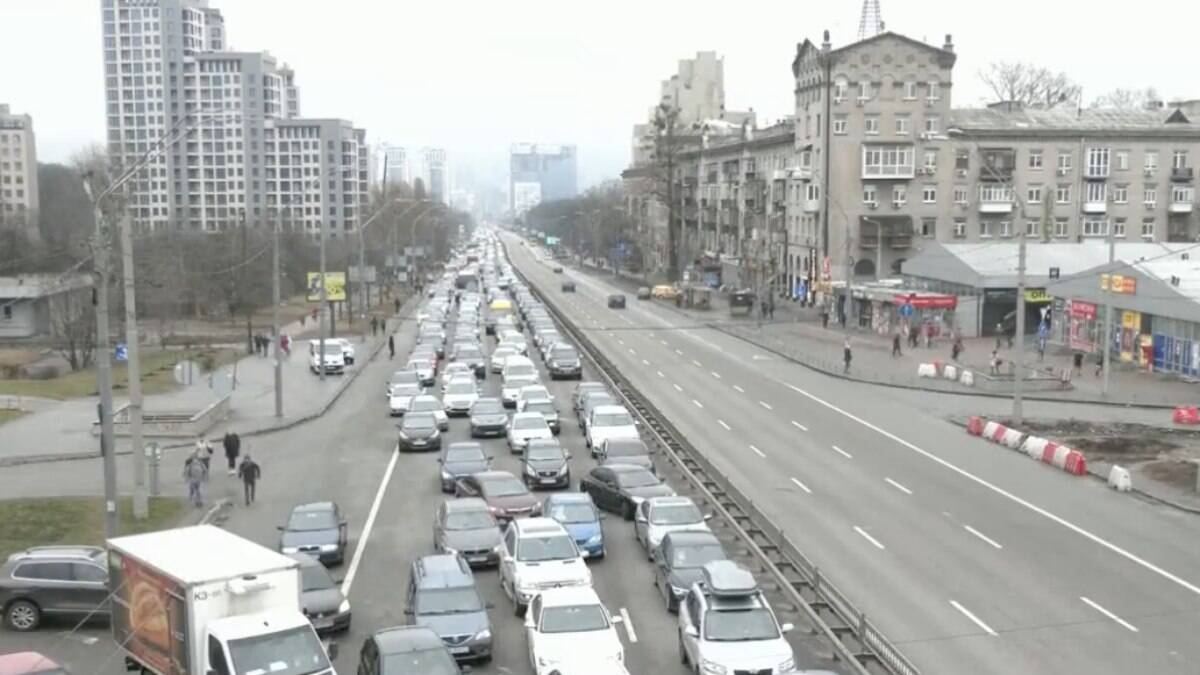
569 630
525 426
533 392
610 421
347 349
425 370
334 359
460 395
499 356
430 404
516 341
657 516
726 625
404 377
401 397
455 368
537 554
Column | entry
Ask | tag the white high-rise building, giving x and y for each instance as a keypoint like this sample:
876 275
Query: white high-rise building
18 171
434 172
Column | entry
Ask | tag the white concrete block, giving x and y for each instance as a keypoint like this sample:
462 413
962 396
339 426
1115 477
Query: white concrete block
967 378
926 370
950 373
1119 479
1012 439
1034 446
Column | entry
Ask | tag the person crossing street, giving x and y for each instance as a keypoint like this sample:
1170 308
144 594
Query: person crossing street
249 472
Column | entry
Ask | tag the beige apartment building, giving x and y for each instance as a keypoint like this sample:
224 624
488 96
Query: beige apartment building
18 171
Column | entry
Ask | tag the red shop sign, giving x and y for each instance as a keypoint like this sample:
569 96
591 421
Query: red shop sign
1083 310
927 301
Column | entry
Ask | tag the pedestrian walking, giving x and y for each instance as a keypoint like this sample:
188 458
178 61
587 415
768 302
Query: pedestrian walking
391 347
1009 335
204 451
230 443
374 325
1099 363
999 334
846 355
771 308
929 335
303 318
285 343
195 473
956 349
896 346
995 363
249 472
824 318
396 304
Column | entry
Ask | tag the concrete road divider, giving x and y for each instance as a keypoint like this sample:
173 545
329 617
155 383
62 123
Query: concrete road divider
975 425
994 431
950 372
967 378
1119 479
1186 414
1012 439
927 370
1035 447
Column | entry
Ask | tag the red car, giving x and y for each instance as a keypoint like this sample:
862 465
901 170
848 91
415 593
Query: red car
29 663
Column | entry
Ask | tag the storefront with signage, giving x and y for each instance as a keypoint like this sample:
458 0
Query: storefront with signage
887 309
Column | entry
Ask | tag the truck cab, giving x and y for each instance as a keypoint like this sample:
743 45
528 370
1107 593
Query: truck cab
260 643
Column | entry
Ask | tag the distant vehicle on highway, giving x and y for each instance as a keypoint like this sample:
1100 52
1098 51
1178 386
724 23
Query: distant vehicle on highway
320 597
426 403
419 431
658 516
545 464
525 426
568 287
620 488
442 595
334 357
625 451
569 629
536 554
576 512
643 293
407 650
616 301
318 529
678 563
506 496
467 527
460 459
488 418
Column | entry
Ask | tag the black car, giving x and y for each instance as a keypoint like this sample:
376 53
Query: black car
621 487
568 287
53 581
562 360
406 650
321 598
545 464
419 431
488 418
473 356
318 529
462 459
679 562
616 301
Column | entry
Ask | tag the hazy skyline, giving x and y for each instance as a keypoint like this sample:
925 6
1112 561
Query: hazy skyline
474 77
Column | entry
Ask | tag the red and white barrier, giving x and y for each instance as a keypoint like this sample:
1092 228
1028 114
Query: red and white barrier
1186 414
975 425
1036 447
926 370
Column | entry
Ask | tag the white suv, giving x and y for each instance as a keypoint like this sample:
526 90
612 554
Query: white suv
569 630
610 421
726 625
538 554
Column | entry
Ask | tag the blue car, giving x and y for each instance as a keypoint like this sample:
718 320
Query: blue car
578 513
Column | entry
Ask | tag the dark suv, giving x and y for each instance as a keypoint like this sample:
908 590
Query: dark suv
68 581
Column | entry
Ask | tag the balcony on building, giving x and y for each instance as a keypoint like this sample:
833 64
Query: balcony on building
996 198
888 162
1181 174
1100 206
1179 207
895 231
812 205
997 164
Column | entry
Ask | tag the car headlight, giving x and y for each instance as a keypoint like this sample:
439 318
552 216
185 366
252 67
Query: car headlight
289 550
344 607
530 470
328 548
543 661
595 539
435 433
786 667
403 435
484 634
562 470
712 667
446 475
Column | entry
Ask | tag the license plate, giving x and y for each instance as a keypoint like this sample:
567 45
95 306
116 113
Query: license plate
323 623
460 650
549 481
477 558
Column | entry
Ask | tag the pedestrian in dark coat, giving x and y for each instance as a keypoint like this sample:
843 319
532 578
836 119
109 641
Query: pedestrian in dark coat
249 472
846 355
896 345
230 442
391 347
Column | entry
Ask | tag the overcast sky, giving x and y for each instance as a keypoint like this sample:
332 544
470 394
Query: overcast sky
474 76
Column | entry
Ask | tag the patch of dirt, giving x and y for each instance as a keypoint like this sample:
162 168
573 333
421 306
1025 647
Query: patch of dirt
1122 448
1174 472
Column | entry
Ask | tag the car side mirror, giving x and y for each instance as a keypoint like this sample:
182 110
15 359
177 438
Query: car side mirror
490 605
786 628
529 620
408 611
279 527
692 632
333 651
708 516
439 460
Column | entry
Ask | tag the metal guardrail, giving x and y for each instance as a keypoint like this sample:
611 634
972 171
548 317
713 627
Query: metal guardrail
857 642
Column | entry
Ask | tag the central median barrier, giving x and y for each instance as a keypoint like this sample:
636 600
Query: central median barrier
1045 451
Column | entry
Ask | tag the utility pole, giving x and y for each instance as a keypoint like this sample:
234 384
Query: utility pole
847 300
1106 340
104 367
321 318
141 500
362 278
1019 354
275 336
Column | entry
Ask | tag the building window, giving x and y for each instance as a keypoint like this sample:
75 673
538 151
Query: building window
931 160
1122 160
1005 228
1147 228
1118 227
1062 194
1033 194
1064 161
933 124
929 194
1035 159
928 227
871 125
962 159
813 192
881 161
839 90
869 195
960 194
1095 193
995 194
935 91
1097 162
899 195
1121 194
1150 162
1060 228
1033 228
1180 194
1095 227
985 229
902 127
1150 197
864 91
1179 159
910 91
960 228
839 125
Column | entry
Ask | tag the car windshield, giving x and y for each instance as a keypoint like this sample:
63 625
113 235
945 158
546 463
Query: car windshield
520 370
621 419
635 479
295 651
422 421
469 454
419 364
696 556
487 408
507 486
403 390
573 619
427 662
448 601
425 405
544 407
565 353
740 625
459 388
314 578
599 399
675 514
469 353
625 448
502 352
529 423
544 452
402 376
580 512
302 521
333 349
537 549
469 520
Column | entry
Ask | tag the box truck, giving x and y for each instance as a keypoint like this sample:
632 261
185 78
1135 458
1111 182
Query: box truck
200 600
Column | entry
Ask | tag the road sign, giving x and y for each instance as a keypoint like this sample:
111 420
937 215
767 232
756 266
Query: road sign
355 277
121 352
335 286
906 310
1054 272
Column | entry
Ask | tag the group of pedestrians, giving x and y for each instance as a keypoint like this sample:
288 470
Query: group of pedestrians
197 468
262 344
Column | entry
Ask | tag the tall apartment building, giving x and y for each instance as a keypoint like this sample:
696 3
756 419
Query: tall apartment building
168 76
396 165
538 173
434 172
18 171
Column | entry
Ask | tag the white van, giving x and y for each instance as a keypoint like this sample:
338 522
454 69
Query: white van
335 361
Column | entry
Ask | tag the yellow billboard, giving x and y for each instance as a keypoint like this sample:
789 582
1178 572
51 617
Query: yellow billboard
335 286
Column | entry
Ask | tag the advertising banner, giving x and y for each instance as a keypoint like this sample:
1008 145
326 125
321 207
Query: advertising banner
149 615
335 286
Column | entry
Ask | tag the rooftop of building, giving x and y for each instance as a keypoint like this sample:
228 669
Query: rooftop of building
1004 118
31 286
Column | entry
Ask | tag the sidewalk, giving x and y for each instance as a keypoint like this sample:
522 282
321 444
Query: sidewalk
62 430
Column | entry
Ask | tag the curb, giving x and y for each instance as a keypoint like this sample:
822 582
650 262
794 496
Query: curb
209 516
259 431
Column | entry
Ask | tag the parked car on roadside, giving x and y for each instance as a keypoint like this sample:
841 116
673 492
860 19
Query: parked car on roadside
52 582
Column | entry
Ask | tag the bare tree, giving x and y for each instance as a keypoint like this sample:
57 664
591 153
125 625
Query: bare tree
1029 85
668 144
73 327
1126 99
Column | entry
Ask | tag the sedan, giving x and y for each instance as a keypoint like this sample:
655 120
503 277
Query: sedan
621 487
425 370
401 398
461 459
616 301
569 629
403 377
589 401
460 396
658 516
426 403
548 411
506 496
468 528
472 356
576 512
546 464
679 563
563 362
524 427
533 392
419 431
488 418
583 388
321 598
625 451
496 364
318 529
406 650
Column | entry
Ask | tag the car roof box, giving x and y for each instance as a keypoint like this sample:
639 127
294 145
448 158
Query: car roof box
727 578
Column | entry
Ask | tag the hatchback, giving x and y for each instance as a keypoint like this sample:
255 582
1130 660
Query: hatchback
318 529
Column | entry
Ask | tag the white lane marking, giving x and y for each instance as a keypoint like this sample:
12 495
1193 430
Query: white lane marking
715 374
660 373
664 343
760 453
802 486
698 404
868 537
739 389
696 363
1109 614
898 486
620 342
677 387
722 423
799 426
628 625
967 613
645 362
977 533
843 452
651 334
632 352
366 532
678 352
765 405
1145 564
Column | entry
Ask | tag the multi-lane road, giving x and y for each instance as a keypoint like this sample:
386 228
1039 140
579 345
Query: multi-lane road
969 557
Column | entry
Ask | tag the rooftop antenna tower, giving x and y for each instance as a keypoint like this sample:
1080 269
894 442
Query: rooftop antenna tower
871 22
